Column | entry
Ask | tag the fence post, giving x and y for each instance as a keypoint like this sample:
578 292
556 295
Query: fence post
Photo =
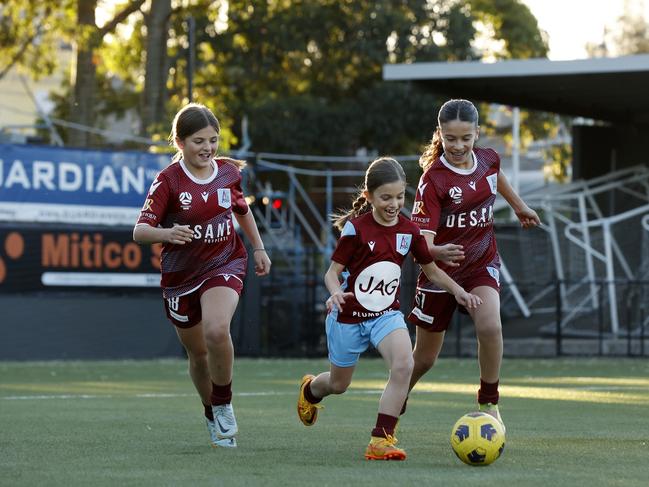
559 316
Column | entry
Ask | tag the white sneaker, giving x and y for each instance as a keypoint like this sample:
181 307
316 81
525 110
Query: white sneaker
217 442
225 425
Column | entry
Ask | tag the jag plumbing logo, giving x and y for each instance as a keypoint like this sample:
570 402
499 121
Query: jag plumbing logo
14 247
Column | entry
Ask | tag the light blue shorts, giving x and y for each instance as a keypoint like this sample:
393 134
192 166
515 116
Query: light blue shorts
346 341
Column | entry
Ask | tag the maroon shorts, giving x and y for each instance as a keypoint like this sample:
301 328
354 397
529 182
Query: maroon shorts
433 310
185 311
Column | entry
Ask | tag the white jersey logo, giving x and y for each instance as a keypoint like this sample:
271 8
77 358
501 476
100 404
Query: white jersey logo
472 185
371 243
403 243
456 194
223 195
493 182
376 287
185 200
205 195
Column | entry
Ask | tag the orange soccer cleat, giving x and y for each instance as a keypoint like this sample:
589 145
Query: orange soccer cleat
384 449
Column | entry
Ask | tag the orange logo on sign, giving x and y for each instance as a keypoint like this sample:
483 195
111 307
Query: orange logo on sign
14 248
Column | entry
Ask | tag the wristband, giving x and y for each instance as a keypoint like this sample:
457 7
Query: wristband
258 250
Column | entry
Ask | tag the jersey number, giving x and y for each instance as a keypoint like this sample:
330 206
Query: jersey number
173 303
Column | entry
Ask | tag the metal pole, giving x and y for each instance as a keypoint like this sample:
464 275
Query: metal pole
610 277
516 146
329 238
559 317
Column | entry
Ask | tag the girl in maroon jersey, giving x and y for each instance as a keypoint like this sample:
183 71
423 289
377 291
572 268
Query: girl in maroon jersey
454 210
364 308
189 210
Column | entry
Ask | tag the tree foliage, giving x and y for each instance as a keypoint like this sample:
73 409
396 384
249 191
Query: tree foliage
306 74
31 32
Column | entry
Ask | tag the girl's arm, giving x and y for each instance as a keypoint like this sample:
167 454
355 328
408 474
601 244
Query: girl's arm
177 235
450 254
332 282
249 227
442 279
526 215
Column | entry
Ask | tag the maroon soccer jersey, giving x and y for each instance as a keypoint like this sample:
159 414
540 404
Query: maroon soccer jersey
457 206
373 255
206 205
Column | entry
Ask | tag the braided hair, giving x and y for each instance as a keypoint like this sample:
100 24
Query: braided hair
383 170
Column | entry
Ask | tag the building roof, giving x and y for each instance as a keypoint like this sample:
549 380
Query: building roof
608 89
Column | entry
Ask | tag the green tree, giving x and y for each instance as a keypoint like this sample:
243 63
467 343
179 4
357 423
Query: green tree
31 32
307 74
513 23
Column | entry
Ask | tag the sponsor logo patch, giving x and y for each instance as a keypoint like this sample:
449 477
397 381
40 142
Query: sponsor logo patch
224 197
493 182
403 243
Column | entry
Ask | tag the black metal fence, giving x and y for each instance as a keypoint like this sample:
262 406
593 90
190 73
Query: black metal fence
283 315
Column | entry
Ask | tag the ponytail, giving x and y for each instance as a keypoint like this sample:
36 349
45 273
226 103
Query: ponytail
432 151
359 206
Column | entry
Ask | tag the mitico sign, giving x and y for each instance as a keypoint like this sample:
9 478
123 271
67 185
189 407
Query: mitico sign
39 259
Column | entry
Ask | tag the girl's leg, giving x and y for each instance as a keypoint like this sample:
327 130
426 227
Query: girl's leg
313 389
486 318
218 305
193 341
336 381
395 349
427 347
428 344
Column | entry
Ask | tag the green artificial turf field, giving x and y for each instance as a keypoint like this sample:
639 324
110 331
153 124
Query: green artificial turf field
570 422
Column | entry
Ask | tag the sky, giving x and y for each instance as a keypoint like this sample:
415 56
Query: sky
571 24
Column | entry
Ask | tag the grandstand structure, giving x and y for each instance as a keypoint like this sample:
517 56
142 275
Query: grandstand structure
593 274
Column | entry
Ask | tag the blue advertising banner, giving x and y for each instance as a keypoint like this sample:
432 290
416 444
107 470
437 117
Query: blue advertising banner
52 184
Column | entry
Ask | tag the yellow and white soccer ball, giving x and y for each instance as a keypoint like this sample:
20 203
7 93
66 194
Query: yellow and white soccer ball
478 438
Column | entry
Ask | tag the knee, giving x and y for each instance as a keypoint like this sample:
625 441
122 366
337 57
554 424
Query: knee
216 333
402 367
424 360
338 386
197 358
489 330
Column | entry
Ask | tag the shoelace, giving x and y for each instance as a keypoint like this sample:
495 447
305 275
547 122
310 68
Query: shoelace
306 408
391 440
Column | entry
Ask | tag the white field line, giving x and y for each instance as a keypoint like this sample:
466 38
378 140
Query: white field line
154 395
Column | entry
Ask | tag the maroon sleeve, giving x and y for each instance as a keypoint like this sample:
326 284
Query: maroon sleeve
239 204
346 246
419 248
154 209
427 208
